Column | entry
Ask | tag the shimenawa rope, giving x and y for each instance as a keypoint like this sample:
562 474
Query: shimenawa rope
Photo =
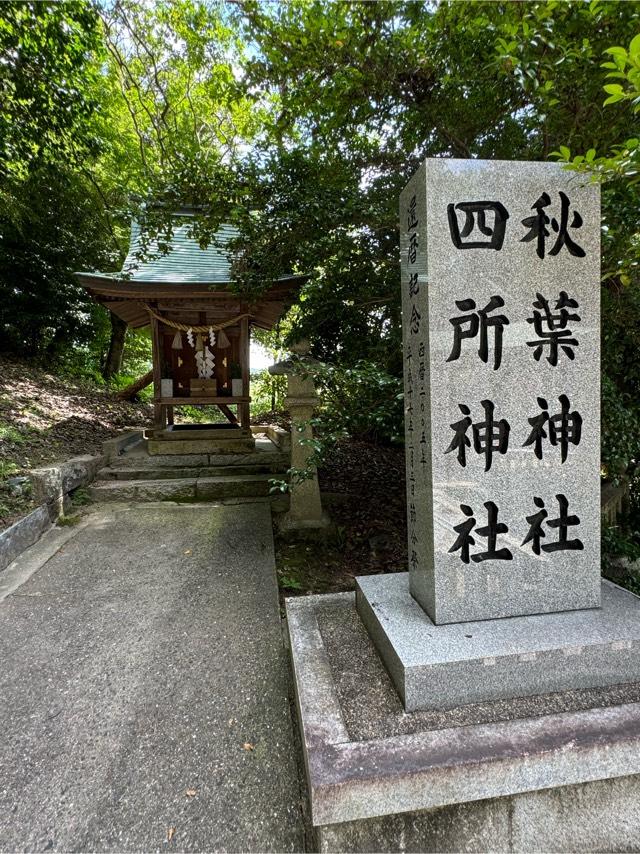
185 327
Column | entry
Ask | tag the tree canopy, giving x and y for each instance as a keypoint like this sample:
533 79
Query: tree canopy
300 122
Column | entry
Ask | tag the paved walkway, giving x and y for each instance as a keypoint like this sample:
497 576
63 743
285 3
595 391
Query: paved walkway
143 687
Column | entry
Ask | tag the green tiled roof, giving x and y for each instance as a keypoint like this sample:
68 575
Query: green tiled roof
185 261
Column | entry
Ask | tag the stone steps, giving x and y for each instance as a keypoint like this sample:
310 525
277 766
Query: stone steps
134 472
139 460
183 489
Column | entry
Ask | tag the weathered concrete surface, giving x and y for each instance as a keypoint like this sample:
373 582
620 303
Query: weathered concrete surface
371 707
200 446
178 489
265 453
278 435
143 660
448 665
168 472
561 768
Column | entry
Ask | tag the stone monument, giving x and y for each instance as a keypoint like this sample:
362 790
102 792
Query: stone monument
501 318
305 514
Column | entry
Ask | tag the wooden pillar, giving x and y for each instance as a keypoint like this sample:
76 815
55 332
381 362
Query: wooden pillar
156 356
244 408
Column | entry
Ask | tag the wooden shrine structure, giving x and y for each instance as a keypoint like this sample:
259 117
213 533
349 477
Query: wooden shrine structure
200 327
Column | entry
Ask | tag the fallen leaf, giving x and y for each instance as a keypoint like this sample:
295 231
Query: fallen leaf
248 746
191 793
170 833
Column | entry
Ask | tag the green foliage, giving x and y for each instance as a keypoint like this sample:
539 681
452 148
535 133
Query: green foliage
136 359
300 122
80 497
11 434
625 65
45 96
621 542
267 393
621 427
619 173
102 107
118 382
43 309
68 521
361 92
7 468
49 55
364 402
288 579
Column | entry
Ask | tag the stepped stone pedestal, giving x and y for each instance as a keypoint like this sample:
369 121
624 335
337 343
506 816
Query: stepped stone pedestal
551 772
441 667
533 475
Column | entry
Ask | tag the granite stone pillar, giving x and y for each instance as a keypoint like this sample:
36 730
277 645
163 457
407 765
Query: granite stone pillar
305 510
500 277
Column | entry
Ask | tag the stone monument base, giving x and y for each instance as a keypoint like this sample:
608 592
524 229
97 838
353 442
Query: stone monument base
440 667
559 772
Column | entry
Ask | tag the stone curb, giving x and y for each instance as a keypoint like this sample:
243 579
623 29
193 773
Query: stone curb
280 437
51 486
23 534
114 448
52 483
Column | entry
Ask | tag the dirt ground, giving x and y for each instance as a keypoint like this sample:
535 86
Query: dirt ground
363 489
45 418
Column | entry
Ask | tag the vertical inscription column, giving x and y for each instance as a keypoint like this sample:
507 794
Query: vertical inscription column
417 397
500 290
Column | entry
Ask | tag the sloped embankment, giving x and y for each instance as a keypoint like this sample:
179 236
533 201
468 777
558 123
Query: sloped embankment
45 418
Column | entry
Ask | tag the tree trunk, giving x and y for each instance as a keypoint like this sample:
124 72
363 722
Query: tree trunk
132 390
113 365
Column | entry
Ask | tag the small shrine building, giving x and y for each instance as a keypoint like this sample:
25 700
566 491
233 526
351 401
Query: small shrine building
200 327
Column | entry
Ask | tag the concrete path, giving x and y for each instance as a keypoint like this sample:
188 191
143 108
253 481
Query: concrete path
143 687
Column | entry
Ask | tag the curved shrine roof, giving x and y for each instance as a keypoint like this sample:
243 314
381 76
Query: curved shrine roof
185 261
184 274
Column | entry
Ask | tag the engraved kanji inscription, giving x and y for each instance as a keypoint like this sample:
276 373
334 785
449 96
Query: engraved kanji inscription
412 217
490 531
562 523
538 231
551 328
414 323
564 428
489 436
468 326
485 222
412 253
